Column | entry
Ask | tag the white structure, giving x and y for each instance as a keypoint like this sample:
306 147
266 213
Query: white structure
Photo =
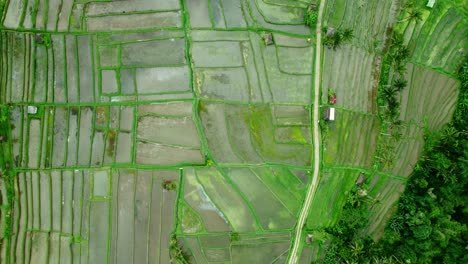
32 109
430 3
329 114
332 113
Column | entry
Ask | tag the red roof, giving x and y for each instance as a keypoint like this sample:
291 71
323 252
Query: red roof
332 99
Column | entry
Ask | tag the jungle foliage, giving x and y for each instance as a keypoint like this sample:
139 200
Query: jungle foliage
430 224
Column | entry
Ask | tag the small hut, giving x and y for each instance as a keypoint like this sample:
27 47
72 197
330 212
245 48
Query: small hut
360 181
39 38
332 99
430 3
313 7
331 31
32 109
309 239
268 38
329 114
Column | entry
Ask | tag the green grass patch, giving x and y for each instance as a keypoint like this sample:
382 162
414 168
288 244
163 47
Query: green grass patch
227 200
330 197
189 219
285 185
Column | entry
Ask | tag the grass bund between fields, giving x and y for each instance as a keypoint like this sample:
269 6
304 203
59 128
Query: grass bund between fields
135 98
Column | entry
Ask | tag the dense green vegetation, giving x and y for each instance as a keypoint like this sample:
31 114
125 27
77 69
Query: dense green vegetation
177 253
7 175
334 38
392 82
430 223
311 16
397 55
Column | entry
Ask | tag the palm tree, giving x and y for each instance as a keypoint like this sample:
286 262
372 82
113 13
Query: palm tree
400 67
401 53
399 84
347 34
388 92
337 40
357 248
397 39
414 15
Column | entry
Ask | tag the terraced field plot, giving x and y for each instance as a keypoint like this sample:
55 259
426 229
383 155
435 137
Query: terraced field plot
141 131
428 39
347 144
357 87
93 216
369 19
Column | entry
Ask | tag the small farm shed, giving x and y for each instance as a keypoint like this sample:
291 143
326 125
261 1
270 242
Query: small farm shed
32 109
360 181
268 38
331 32
309 239
329 114
332 99
430 3
313 7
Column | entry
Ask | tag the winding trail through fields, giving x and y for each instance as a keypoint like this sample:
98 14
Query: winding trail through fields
293 257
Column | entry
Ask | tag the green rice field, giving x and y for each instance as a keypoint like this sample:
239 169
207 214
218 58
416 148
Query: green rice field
182 131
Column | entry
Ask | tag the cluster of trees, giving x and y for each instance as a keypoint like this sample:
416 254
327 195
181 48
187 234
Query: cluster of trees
430 224
346 243
392 82
413 12
177 252
334 38
311 16
2 7
6 171
169 185
396 57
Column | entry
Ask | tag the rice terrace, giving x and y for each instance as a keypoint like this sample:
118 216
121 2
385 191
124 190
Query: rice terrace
233 131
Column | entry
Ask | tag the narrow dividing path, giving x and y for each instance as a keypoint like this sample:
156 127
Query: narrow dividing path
293 256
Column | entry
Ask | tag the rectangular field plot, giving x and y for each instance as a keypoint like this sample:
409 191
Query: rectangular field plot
50 15
330 197
261 253
167 137
86 69
64 137
237 66
142 215
84 136
430 95
257 133
237 249
50 68
53 15
93 216
351 139
53 214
